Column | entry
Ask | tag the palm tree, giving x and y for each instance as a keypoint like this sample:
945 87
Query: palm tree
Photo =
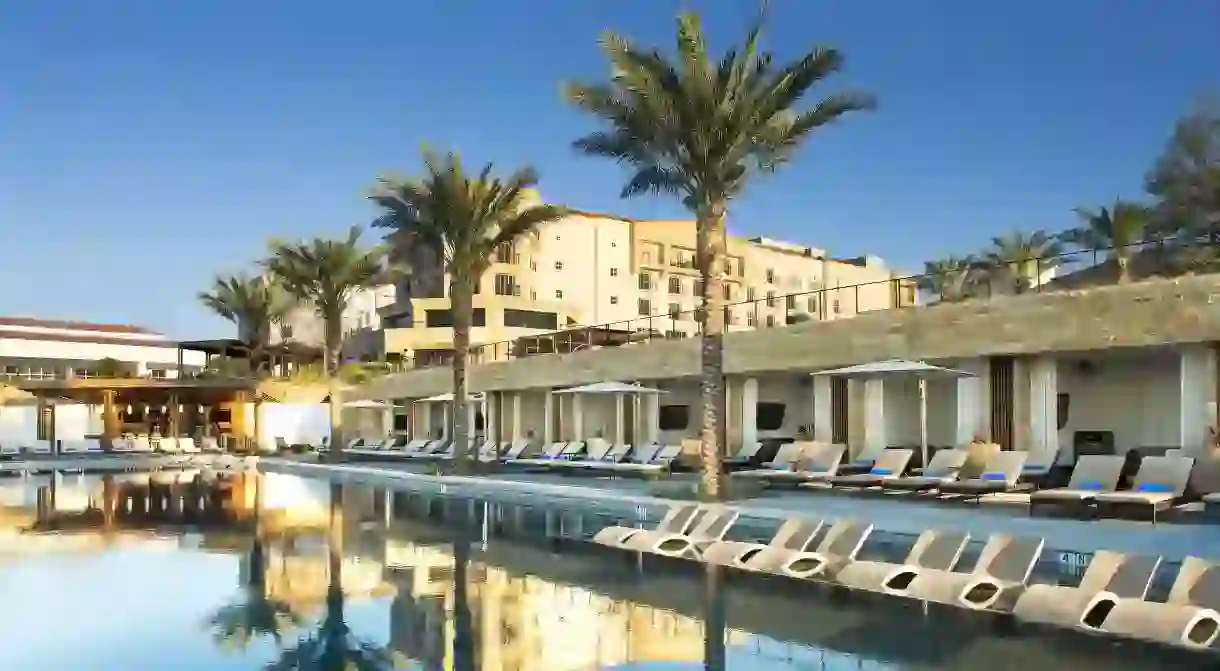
1118 229
1022 258
461 218
699 128
950 278
325 274
254 304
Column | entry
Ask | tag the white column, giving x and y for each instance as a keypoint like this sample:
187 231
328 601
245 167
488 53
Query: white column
548 418
620 419
749 411
652 426
491 416
387 418
578 416
1197 375
874 416
446 413
472 410
969 419
516 431
1043 406
823 410
424 412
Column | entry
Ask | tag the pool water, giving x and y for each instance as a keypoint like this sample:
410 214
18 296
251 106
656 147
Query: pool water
241 571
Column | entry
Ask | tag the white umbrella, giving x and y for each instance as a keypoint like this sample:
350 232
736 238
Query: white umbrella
367 404
447 397
901 368
609 388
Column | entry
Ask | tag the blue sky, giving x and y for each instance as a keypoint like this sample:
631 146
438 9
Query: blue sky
146 145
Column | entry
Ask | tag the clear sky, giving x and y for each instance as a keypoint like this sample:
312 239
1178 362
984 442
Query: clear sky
145 145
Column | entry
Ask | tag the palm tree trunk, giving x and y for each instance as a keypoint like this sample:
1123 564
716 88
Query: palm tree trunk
1122 262
461 302
333 325
710 240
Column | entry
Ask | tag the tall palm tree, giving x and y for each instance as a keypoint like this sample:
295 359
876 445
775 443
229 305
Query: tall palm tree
462 218
950 278
325 274
1117 229
255 304
1022 258
699 127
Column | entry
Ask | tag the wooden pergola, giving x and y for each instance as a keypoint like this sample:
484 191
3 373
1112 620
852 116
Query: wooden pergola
286 355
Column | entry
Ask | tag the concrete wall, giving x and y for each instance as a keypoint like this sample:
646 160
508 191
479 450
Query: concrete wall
1145 313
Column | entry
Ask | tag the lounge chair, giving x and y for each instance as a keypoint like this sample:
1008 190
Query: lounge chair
1188 618
935 550
71 447
10 451
1039 464
370 448
354 444
744 456
864 461
412 447
663 460
595 451
1212 499
514 450
553 452
1159 484
489 452
837 548
711 527
820 463
784 460
997 580
39 448
210 444
794 535
1110 575
121 445
187 445
168 445
1094 474
141 445
677 519
442 448
944 466
889 465
640 455
999 475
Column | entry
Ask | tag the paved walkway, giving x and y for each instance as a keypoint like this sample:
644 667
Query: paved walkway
890 515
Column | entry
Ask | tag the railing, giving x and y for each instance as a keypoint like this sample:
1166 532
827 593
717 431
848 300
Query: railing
979 282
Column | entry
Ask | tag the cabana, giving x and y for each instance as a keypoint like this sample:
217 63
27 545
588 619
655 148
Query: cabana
901 369
476 402
620 391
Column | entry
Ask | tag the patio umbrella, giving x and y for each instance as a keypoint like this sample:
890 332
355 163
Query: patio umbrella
609 388
902 369
447 397
370 404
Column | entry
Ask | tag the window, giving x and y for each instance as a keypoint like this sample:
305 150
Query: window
531 319
770 321
769 416
559 293
533 295
674 310
835 305
645 282
728 292
644 307
770 299
673 417
614 300
675 285
770 276
813 304
286 331
533 265
559 265
749 319
505 253
444 318
614 272
790 303
506 285
697 288
750 294
157 373
728 316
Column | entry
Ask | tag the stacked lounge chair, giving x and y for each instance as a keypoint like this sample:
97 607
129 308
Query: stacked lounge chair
835 550
794 535
889 465
711 527
677 519
944 466
1189 618
934 550
1093 475
998 578
1110 576
1000 474
1159 484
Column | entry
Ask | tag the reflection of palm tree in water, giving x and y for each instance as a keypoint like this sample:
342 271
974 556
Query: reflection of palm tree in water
463 618
332 647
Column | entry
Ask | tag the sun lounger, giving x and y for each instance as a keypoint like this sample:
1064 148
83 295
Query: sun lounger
784 460
837 548
1212 499
1093 474
515 450
141 445
413 446
39 448
820 463
711 527
489 451
662 460
935 549
1110 575
889 465
944 466
187 445
864 461
1000 475
640 455
120 445
595 451
10 451
553 452
1038 465
1188 618
794 535
370 448
71 447
997 580
1159 484
677 519
168 445
744 456
443 448
354 444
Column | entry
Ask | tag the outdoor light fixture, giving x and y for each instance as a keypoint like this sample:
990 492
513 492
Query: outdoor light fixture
128 409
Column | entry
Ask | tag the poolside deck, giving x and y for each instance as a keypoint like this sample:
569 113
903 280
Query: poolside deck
891 515
121 463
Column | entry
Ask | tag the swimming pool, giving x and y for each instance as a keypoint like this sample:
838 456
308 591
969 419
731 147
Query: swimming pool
194 570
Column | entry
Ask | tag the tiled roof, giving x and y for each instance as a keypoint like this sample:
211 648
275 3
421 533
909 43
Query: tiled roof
28 322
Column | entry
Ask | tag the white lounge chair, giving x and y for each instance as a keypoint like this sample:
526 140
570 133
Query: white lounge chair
210 444
784 460
1110 575
711 527
1001 474
187 445
662 461
794 535
998 578
10 451
514 450
837 549
944 466
595 451
935 550
640 455
553 452
1093 474
71 447
39 448
141 445
1159 484
889 465
819 464
1189 618
677 519
745 454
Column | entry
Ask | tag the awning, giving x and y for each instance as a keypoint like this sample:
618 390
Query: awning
892 368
